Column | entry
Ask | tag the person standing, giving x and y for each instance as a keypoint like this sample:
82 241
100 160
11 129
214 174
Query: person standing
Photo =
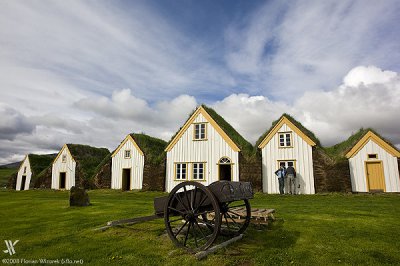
291 179
281 173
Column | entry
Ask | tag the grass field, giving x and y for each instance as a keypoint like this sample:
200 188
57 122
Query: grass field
4 174
310 230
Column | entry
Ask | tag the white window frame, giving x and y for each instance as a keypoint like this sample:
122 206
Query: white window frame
285 140
129 155
200 131
286 162
198 173
181 171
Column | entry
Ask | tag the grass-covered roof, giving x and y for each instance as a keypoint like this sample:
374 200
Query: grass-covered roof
338 151
88 157
241 142
40 162
302 128
153 148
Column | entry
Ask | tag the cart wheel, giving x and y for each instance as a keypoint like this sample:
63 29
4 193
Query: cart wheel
235 217
184 216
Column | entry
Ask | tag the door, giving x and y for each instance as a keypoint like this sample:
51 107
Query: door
375 177
62 180
225 169
225 172
126 179
23 181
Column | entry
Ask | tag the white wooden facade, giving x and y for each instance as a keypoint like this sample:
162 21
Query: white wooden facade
24 175
299 152
134 163
64 164
212 151
372 150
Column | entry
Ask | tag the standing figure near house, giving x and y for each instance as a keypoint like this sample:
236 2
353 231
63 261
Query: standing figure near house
291 179
281 173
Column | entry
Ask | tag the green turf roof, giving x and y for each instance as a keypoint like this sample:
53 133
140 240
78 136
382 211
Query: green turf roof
241 142
153 148
302 128
339 150
88 157
40 162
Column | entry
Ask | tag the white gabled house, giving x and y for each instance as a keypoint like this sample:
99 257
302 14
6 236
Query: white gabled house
129 160
75 164
205 149
374 165
30 169
285 143
24 175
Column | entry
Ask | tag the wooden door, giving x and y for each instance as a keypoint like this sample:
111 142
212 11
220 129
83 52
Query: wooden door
375 177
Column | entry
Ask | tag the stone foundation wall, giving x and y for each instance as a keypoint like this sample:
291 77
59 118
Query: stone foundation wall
250 170
330 176
154 177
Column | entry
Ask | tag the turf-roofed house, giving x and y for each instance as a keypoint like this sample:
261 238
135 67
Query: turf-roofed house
373 163
30 169
75 165
138 161
205 149
288 142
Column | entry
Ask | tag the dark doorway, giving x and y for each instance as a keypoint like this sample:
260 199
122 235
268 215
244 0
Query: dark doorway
126 179
225 172
62 180
23 181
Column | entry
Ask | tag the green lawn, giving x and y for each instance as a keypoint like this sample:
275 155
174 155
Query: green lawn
4 174
310 230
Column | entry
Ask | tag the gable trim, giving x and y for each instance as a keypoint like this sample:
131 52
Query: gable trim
185 127
23 161
372 136
275 129
59 153
129 137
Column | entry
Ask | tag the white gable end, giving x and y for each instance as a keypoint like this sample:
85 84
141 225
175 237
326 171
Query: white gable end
135 162
300 153
208 151
358 162
24 175
59 168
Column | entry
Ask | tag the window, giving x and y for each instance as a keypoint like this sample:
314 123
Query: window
285 139
180 171
198 171
127 154
287 163
25 170
224 160
200 131
64 158
373 156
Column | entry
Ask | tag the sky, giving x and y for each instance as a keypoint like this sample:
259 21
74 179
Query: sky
90 72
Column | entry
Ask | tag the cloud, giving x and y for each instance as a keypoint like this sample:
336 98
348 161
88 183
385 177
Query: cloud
286 48
368 97
13 123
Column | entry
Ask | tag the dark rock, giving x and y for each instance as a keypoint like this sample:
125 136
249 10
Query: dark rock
78 197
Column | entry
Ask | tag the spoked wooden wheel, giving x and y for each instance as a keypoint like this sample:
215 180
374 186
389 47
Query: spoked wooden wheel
235 217
185 216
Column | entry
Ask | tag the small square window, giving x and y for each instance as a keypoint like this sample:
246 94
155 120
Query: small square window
127 154
64 158
372 156
198 171
180 171
285 139
200 131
